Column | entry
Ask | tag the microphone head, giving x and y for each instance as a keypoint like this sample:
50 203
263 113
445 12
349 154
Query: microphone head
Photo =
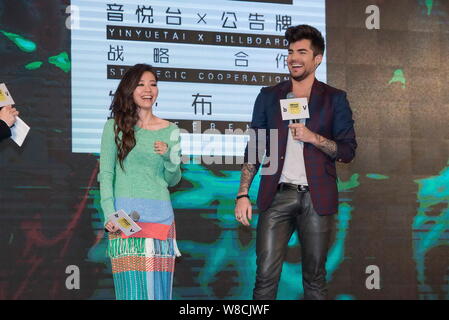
135 216
290 95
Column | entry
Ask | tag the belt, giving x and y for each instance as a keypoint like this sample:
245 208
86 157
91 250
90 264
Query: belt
298 187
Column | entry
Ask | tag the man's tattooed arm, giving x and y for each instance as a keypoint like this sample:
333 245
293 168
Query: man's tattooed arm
329 147
247 175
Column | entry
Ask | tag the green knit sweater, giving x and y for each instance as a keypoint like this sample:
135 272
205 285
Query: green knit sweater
146 174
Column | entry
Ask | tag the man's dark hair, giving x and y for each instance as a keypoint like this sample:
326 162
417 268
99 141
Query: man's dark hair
304 31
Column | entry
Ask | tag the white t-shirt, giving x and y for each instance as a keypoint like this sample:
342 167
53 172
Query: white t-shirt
294 170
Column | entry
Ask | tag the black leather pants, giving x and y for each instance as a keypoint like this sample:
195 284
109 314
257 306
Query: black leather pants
292 210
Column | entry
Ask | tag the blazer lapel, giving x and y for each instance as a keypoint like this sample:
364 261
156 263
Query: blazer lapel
282 125
315 104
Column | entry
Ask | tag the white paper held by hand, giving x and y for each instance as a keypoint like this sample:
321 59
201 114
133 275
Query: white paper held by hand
5 96
19 131
124 222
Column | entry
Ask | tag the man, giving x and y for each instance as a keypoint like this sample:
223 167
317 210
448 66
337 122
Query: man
302 193
7 119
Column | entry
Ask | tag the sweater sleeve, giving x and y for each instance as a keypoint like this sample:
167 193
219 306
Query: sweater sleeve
172 159
108 159
5 131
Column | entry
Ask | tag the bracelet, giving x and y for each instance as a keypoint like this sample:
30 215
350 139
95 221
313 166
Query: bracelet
242 196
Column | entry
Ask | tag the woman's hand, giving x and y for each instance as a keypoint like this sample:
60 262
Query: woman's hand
160 147
9 114
111 227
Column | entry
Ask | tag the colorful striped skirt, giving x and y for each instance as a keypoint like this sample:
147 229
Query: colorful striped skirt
143 268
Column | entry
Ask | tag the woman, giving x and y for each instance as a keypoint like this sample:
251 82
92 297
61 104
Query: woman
140 158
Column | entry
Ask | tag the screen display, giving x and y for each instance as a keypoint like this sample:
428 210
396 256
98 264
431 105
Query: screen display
212 58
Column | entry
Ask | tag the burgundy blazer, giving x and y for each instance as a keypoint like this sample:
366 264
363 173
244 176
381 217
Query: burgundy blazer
330 117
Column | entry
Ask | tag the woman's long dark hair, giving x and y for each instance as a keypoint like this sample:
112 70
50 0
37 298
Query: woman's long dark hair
125 111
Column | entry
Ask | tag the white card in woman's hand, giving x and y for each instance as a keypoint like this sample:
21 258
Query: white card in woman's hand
5 96
124 222
19 131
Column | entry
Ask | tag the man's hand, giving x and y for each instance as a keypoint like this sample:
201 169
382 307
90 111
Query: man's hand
302 133
243 211
8 114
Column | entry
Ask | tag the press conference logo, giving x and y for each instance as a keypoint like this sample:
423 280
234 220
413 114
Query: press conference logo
72 282
373 280
373 20
73 20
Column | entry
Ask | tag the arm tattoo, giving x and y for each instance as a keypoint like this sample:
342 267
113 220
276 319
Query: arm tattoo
247 174
329 147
